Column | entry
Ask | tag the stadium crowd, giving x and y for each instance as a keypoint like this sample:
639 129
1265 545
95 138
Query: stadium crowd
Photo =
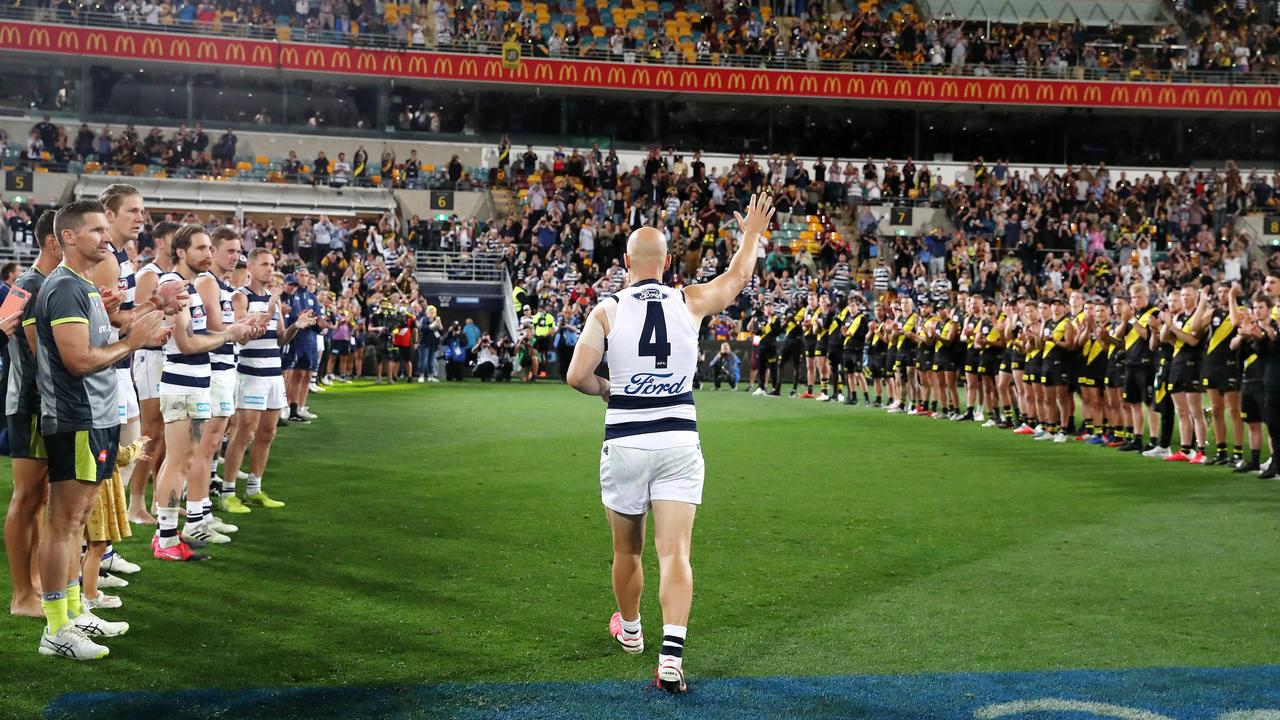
1236 37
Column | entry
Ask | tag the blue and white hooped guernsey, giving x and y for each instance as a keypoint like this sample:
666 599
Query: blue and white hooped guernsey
652 351
183 373
260 357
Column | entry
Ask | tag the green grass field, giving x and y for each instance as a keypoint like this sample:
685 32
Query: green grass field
454 533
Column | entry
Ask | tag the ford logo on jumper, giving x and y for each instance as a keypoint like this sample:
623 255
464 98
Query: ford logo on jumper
651 294
653 384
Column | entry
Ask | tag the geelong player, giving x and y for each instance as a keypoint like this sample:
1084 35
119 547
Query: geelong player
148 363
651 458
260 393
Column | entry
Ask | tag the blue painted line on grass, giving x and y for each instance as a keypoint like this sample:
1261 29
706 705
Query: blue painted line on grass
1246 693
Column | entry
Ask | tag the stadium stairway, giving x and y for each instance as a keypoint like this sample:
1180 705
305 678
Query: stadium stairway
504 205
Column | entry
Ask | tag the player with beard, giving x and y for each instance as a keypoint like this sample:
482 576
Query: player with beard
185 401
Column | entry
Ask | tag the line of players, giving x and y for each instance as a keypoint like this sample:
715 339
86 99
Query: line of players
1122 365
185 356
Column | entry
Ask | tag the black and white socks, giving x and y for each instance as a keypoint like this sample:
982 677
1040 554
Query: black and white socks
672 645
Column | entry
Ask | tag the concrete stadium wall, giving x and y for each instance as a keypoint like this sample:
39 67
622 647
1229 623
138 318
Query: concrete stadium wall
50 189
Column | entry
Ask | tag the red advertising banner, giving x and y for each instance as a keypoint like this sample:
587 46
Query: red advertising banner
208 50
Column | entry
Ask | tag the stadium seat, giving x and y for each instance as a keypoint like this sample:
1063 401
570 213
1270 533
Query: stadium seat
244 166
262 160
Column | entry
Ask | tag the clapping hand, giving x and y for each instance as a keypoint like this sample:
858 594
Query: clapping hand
171 297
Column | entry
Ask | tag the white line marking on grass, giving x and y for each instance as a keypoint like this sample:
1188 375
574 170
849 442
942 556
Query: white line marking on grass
991 712
1251 715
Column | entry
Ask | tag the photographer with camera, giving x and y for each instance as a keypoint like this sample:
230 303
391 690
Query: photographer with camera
486 359
455 352
725 367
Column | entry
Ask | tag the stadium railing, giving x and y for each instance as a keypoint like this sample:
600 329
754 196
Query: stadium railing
459 267
494 48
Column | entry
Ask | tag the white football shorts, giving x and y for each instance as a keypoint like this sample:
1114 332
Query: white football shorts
632 478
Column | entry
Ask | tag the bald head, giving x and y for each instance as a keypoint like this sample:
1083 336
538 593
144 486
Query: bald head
646 252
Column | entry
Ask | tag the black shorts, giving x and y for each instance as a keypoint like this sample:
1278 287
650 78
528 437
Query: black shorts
835 351
972 359
1055 373
813 347
84 455
768 354
876 364
924 359
1093 375
989 362
404 354
542 344
1032 369
340 347
1115 374
792 349
1137 384
944 360
382 347
25 440
1223 377
1184 377
851 359
1251 402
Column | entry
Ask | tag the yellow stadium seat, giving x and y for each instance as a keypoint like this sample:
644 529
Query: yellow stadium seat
230 173
92 167
597 31
138 169
428 168
44 155
766 12
244 166
275 176
376 180
503 6
42 169
262 160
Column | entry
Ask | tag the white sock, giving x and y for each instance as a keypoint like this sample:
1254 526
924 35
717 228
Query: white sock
195 512
252 485
167 526
672 644
631 628
207 507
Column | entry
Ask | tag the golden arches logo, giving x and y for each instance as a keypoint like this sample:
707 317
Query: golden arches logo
808 85
418 66
125 45
972 89
1190 96
151 47
666 78
1143 96
926 88
617 76
1262 97
97 43
543 72
179 48
996 91
206 50
1044 92
315 58
261 55
786 84
9 36
1119 95
688 79
442 66
366 63
39 37
1092 95
391 63
738 82
592 75
341 59
901 88
1239 98
831 86
1214 97
855 86
235 52
493 68
1021 92
759 82
640 76
950 89
879 87
1069 94
469 68
521 71
1168 96
289 56
68 39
